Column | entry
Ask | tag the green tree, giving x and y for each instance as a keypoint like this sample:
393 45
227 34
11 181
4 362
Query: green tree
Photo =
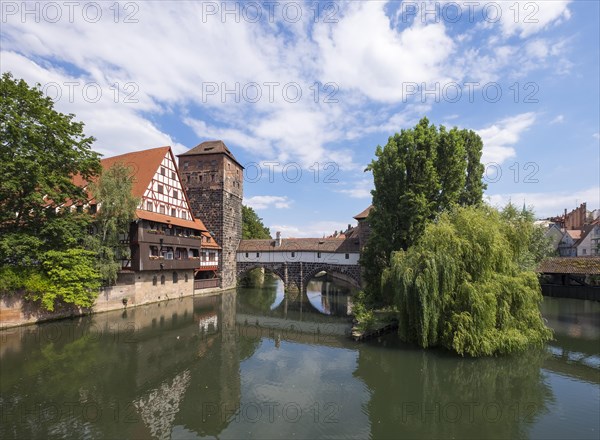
117 205
466 285
252 225
42 225
418 174
41 150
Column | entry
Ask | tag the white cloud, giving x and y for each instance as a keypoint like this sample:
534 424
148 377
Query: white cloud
499 138
548 204
525 18
379 61
558 120
596 135
263 202
361 189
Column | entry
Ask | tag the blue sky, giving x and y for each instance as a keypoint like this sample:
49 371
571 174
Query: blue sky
304 86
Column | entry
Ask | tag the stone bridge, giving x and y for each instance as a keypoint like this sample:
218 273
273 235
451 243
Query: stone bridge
297 260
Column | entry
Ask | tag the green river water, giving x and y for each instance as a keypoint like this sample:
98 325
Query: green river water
258 363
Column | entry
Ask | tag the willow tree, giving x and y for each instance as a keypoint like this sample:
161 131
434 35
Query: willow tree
463 285
419 173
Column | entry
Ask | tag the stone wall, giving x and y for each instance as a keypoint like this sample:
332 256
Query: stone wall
132 289
214 186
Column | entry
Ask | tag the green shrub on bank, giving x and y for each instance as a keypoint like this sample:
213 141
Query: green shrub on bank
67 277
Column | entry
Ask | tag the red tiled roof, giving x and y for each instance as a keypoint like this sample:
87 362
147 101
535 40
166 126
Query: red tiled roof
142 163
574 265
337 245
363 214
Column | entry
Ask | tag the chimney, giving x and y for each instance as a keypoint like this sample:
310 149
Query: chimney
278 239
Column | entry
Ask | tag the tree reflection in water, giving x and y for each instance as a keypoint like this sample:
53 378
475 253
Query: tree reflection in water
433 394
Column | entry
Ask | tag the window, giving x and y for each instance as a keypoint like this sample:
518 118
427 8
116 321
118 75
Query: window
257 254
185 165
183 215
175 194
167 253
186 277
162 209
584 251
246 254
318 254
175 277
154 280
173 175
200 177
162 279
212 256
149 206
153 251
173 212
347 256
160 189
162 171
93 209
204 256
293 254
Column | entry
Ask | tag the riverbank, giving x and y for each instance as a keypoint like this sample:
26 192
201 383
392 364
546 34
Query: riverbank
17 311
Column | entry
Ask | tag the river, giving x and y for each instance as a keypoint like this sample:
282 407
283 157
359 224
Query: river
258 363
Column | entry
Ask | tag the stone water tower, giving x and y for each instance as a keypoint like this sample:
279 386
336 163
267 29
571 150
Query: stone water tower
214 183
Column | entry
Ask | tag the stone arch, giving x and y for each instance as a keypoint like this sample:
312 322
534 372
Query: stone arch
351 273
277 269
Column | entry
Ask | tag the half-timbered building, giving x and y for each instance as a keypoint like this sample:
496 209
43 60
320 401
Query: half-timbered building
169 245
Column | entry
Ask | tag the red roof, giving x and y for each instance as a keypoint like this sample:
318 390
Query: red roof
143 164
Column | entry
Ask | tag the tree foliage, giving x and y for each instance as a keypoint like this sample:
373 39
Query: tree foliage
117 205
252 225
417 175
467 284
41 232
41 150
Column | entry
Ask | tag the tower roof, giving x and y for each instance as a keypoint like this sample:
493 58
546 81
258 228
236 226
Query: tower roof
210 147
363 215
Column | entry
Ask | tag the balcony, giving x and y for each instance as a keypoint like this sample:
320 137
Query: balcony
206 284
158 263
155 236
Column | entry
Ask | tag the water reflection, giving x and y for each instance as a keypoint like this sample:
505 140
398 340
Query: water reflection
261 363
